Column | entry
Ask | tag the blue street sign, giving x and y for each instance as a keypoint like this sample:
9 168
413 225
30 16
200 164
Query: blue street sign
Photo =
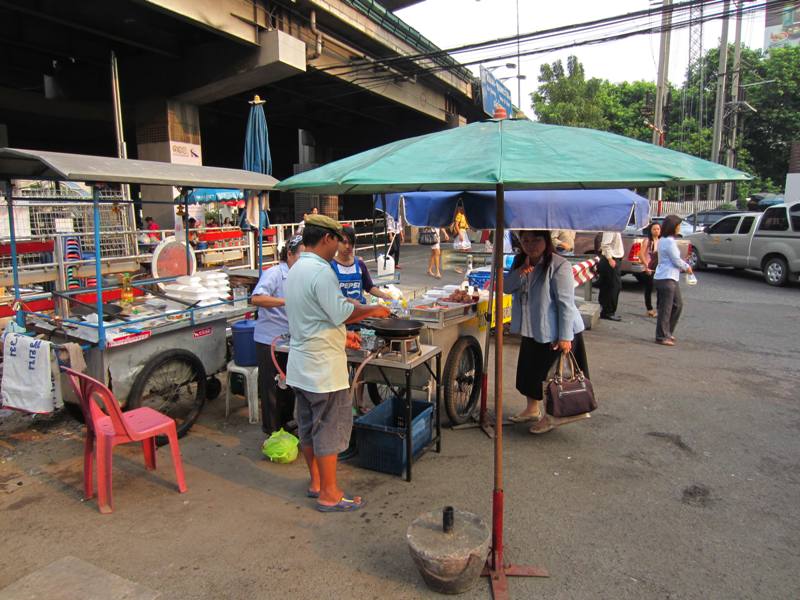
494 93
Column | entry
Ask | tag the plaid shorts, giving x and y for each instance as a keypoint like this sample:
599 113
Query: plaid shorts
324 421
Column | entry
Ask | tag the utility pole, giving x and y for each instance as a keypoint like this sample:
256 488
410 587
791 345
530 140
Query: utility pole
519 79
730 158
662 87
719 110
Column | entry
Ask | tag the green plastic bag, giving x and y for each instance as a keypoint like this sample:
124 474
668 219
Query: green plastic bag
281 447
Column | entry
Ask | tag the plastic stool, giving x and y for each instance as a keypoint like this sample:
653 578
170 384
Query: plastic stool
250 390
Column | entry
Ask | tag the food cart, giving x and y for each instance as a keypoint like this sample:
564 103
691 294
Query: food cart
462 353
163 350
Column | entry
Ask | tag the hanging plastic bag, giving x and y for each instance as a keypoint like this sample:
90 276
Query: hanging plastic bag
281 447
462 242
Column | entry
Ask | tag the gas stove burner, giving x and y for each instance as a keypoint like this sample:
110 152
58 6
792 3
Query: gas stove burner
401 349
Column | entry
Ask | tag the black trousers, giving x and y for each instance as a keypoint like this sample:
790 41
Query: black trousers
610 286
277 405
647 280
670 306
394 249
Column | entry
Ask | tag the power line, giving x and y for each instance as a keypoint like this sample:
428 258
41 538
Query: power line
499 43
682 18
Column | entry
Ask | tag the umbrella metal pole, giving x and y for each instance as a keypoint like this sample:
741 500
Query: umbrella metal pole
496 568
487 428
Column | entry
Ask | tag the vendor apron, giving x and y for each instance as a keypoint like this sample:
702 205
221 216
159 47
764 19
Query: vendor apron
350 283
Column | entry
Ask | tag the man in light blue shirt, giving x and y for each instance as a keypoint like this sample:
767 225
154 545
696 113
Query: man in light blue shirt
317 368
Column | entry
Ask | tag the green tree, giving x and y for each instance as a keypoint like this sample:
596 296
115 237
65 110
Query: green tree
628 108
567 98
767 135
771 86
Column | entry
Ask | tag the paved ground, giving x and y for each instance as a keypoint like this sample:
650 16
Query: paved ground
684 484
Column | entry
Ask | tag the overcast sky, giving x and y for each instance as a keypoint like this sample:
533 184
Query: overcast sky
451 23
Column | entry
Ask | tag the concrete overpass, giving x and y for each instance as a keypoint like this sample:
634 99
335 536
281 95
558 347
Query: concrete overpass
188 67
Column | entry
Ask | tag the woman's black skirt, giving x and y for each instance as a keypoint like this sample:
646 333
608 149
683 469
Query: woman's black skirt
535 361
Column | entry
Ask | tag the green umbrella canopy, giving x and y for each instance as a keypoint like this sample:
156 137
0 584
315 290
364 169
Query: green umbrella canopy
519 154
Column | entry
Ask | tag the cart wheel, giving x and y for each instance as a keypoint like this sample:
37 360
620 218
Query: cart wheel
213 388
378 392
462 375
173 383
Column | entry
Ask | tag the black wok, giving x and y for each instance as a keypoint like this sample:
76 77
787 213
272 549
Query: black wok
82 309
393 328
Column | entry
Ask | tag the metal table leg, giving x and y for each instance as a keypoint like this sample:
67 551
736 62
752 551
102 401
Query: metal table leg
438 407
409 444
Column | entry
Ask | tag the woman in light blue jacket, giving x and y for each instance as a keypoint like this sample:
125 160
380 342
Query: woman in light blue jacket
666 281
544 314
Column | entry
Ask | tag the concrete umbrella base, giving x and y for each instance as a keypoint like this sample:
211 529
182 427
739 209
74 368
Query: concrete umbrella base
450 563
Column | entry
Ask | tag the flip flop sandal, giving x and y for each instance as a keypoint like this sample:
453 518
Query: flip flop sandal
344 505
312 494
526 418
542 426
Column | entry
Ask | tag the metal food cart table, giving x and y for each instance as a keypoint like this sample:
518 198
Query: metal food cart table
405 369
462 339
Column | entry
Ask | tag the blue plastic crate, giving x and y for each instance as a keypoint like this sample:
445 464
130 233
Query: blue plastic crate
479 279
382 445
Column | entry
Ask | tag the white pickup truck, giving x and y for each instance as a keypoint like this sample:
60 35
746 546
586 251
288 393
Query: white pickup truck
768 241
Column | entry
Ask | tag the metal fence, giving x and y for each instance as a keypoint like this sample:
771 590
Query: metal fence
683 209
68 226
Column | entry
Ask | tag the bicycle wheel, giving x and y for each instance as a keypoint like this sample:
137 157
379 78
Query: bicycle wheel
174 384
463 372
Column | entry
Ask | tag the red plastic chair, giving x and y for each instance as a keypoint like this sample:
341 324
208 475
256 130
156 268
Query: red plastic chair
107 426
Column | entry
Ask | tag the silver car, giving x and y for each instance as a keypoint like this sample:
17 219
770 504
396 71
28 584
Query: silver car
768 241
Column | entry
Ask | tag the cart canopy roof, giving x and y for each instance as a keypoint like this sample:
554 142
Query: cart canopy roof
38 164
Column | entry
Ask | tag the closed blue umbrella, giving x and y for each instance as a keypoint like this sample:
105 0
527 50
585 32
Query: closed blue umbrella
257 158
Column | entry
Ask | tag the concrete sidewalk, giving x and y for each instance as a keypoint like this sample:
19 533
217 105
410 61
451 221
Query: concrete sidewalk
684 483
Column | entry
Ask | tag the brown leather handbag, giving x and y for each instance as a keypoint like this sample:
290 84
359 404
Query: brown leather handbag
568 396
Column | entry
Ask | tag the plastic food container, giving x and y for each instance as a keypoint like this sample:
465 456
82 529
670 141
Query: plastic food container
244 346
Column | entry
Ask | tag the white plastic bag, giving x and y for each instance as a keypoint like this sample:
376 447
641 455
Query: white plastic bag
462 243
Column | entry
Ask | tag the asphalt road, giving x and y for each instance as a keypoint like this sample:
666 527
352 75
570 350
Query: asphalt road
684 484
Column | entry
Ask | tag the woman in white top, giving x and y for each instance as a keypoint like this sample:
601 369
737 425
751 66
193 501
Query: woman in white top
666 280
435 259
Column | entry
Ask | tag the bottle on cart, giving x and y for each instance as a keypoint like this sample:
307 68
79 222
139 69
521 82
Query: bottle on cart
126 295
